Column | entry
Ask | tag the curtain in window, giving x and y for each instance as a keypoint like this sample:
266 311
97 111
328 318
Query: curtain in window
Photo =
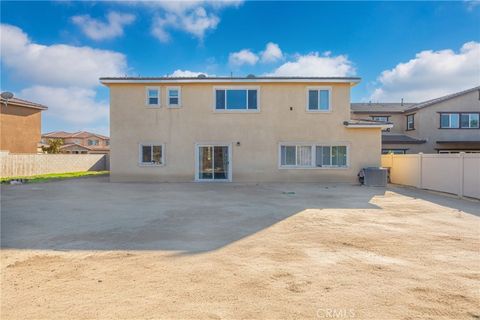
304 156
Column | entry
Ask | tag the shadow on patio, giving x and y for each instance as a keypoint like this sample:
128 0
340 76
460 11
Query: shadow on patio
92 214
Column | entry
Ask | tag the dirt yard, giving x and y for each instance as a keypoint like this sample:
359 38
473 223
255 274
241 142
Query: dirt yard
88 249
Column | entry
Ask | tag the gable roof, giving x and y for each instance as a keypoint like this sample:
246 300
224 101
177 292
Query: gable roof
387 107
441 99
78 134
23 103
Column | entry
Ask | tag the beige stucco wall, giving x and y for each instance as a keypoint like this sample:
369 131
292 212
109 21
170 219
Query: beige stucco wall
259 133
398 120
427 123
19 128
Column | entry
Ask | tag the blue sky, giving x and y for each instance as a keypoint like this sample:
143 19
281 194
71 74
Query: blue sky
54 52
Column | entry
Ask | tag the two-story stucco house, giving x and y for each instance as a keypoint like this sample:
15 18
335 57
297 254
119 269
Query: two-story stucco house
448 124
80 142
238 129
20 125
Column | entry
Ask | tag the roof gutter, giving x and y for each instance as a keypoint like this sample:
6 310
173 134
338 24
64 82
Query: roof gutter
382 126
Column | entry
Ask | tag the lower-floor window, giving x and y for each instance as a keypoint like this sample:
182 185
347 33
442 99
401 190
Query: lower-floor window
458 151
394 151
311 156
151 154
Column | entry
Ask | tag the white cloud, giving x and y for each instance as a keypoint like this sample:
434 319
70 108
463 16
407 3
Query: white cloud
62 77
431 74
99 30
186 73
74 105
193 17
195 22
272 53
314 64
472 4
242 57
59 64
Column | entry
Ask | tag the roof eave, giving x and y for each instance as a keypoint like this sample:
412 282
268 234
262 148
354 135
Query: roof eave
367 126
352 81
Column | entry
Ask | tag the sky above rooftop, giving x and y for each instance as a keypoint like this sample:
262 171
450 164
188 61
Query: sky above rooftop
54 52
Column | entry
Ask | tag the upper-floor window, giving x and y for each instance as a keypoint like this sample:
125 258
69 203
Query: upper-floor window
236 99
411 122
319 99
153 96
151 154
380 118
311 156
93 142
459 120
174 97
107 142
383 119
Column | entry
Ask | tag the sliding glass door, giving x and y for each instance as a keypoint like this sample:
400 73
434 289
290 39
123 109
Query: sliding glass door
213 162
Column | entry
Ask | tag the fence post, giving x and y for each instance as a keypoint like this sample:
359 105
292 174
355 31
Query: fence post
420 170
461 173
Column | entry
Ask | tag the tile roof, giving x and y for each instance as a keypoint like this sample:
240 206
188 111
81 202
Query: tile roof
380 107
388 138
78 134
23 103
91 148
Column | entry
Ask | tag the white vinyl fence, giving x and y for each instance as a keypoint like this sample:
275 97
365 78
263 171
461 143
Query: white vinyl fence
25 165
453 173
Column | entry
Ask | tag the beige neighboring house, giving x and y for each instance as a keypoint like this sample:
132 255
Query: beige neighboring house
449 124
81 142
238 129
20 125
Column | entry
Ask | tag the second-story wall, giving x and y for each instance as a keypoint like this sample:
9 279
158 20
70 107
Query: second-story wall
255 135
427 122
20 128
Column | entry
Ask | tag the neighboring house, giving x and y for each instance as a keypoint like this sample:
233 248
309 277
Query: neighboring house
238 129
449 124
20 125
80 142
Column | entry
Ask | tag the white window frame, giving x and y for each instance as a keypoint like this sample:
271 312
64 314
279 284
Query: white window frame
450 114
314 155
318 88
215 88
469 120
179 105
413 121
197 161
149 164
147 100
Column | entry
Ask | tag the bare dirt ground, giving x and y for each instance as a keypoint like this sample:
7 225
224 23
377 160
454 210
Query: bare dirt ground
196 251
